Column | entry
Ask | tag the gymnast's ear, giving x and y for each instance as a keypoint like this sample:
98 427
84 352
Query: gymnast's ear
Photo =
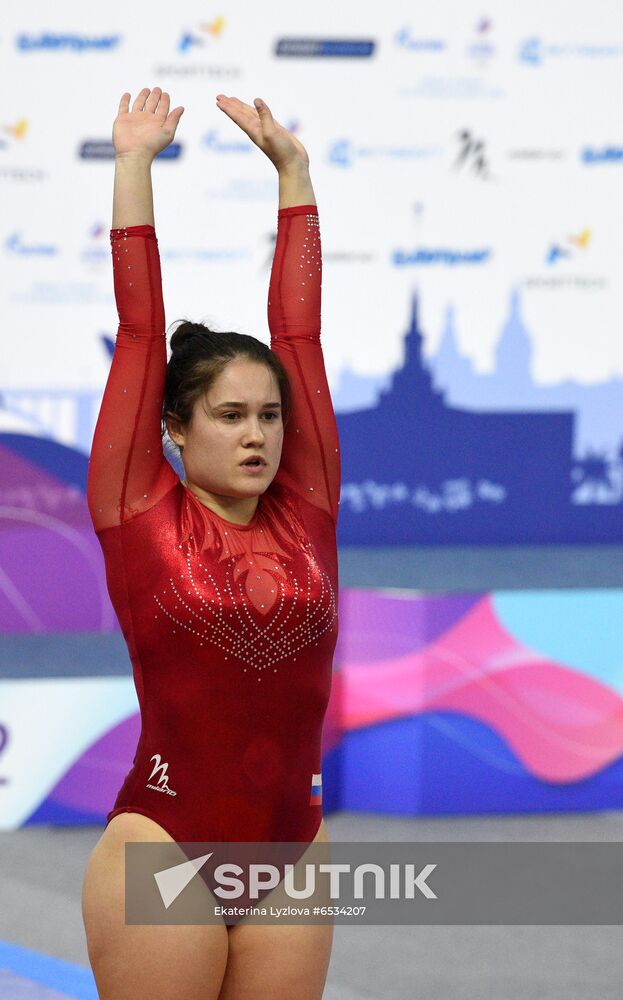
175 429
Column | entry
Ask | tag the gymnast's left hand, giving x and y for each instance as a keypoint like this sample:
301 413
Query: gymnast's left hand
282 148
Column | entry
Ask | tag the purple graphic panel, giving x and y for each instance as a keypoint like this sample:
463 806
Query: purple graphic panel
52 565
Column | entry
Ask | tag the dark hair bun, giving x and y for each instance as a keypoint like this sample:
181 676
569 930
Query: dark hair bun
187 332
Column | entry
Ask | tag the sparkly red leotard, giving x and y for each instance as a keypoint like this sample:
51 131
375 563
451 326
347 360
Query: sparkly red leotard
231 628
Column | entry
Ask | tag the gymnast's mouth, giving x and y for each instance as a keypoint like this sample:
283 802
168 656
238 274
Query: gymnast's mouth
255 460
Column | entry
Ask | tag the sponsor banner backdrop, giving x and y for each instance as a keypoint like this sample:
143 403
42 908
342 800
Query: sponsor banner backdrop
468 166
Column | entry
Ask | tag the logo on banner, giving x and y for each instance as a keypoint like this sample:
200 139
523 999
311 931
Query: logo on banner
481 50
405 40
73 43
98 250
343 152
425 256
609 154
579 241
103 149
530 51
472 156
14 244
189 40
325 47
533 51
16 132
216 145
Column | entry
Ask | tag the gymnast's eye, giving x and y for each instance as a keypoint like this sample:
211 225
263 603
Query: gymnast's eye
271 416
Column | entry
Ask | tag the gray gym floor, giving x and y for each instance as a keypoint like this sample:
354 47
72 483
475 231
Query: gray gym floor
41 871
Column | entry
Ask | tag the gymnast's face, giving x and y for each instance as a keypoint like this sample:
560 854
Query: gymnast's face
238 417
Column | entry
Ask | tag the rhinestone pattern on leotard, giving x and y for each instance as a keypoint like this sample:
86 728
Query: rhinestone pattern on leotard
258 595
221 612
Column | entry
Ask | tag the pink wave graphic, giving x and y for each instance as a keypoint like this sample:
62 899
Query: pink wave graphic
562 724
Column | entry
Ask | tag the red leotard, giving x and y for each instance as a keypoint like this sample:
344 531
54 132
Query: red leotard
230 628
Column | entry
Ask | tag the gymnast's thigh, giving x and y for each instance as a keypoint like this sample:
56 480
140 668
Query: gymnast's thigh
162 962
280 961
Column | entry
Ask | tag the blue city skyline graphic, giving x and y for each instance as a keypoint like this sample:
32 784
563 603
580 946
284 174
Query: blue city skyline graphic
433 452
438 453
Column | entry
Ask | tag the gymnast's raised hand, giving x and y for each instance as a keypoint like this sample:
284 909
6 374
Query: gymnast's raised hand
149 127
282 148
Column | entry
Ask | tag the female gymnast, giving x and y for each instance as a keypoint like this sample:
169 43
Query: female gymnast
225 584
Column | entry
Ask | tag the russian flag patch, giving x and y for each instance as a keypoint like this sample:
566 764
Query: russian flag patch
315 798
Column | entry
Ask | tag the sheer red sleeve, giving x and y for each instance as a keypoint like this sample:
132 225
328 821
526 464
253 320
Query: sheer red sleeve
128 472
310 461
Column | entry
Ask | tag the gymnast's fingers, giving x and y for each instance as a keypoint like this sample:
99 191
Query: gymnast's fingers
152 101
163 107
139 103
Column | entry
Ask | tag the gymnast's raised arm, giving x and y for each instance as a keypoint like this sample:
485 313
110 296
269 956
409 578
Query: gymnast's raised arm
128 472
310 459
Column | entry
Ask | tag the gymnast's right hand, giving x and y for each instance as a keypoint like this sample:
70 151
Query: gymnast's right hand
148 128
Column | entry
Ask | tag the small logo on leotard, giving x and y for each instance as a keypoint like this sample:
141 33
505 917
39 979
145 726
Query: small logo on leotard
315 799
163 780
